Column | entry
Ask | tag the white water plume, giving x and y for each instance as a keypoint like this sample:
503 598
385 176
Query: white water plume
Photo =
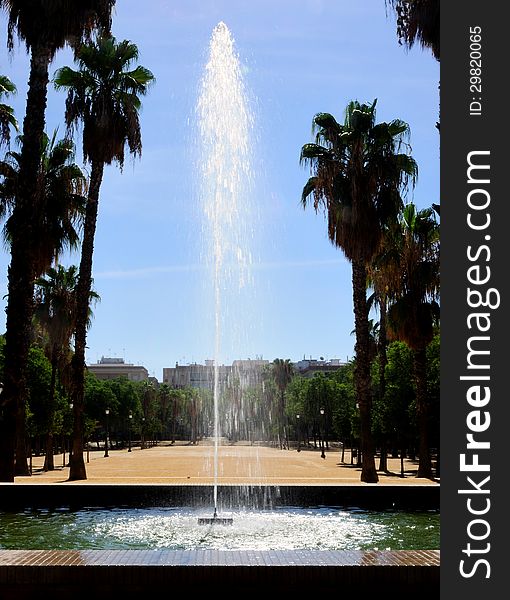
225 127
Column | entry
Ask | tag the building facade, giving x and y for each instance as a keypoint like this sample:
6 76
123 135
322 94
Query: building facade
247 372
111 368
310 367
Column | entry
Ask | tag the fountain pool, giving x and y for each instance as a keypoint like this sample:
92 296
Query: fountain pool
176 528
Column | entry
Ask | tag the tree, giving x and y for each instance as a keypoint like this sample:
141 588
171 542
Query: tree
399 398
56 312
128 395
44 27
164 398
358 175
177 398
282 374
433 395
55 308
7 118
61 186
103 96
99 396
415 310
377 280
418 21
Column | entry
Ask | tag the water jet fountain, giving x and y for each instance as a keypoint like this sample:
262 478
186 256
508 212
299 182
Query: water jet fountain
224 123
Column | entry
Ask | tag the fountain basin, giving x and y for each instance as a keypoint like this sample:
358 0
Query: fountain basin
221 563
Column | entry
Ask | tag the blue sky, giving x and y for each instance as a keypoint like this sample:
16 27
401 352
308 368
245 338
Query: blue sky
299 57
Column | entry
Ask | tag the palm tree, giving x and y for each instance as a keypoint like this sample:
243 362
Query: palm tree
7 118
164 396
418 21
358 175
415 310
62 185
283 371
103 95
379 270
55 312
44 27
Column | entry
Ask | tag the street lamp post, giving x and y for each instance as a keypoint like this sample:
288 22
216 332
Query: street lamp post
142 444
298 433
106 455
129 430
322 411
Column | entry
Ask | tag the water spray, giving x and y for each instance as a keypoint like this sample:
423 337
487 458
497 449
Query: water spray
224 121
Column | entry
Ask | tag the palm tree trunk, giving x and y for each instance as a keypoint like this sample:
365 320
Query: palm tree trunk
13 455
383 342
383 361
420 374
174 419
77 469
282 420
49 463
362 378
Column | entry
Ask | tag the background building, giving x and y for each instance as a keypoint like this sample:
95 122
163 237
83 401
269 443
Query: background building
309 367
111 368
247 372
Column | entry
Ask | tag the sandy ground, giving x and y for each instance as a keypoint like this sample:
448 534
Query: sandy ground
240 464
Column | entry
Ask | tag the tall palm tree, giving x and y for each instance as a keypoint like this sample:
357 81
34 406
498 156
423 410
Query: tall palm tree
44 27
359 172
283 371
418 21
382 267
104 96
7 118
55 311
415 310
62 185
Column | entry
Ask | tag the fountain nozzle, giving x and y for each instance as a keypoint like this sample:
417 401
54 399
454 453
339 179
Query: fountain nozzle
215 520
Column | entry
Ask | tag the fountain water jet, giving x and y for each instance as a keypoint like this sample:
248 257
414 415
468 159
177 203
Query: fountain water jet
225 123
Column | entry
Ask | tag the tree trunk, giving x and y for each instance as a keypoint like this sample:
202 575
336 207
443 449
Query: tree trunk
383 343
420 375
383 361
174 419
21 276
383 460
77 469
282 420
49 463
362 378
